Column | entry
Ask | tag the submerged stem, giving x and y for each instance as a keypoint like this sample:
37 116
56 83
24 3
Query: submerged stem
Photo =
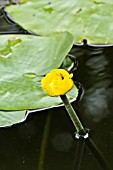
98 155
44 142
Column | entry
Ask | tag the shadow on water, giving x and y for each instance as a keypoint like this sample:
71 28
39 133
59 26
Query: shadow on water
52 145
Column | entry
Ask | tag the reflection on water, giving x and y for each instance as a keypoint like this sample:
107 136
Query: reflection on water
98 89
62 141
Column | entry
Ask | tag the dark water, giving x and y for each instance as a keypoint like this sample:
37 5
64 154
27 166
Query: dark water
46 140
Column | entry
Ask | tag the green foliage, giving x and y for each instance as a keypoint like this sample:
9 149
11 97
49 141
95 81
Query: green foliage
92 20
10 118
24 60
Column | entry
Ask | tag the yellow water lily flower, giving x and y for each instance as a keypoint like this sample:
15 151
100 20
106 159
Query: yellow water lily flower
57 82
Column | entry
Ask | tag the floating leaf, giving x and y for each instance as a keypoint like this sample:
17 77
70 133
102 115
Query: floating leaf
92 20
10 118
9 26
22 68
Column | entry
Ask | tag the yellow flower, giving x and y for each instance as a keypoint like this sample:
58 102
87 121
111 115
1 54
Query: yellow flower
57 82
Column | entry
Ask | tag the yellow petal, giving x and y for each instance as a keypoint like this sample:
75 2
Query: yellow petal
57 82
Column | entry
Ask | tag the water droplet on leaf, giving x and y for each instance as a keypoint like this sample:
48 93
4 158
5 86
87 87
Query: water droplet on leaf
30 75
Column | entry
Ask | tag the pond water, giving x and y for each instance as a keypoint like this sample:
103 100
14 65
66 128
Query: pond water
45 141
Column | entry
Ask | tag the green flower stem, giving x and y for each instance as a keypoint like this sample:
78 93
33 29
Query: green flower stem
81 131
44 142
78 125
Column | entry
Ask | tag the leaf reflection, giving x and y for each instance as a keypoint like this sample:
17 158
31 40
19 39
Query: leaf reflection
95 75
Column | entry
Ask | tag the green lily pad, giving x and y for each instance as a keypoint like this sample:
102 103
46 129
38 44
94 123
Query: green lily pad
91 20
10 118
24 60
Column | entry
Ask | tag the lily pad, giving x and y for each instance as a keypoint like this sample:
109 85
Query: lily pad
91 20
10 118
24 60
9 26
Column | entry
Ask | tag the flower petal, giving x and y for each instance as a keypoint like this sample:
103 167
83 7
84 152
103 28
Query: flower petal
57 82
